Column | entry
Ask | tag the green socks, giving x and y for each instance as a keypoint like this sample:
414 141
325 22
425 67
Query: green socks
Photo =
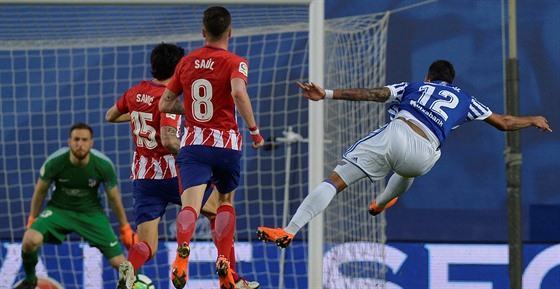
30 260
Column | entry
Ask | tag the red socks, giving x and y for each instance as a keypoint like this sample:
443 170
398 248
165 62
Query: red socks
232 250
186 223
139 254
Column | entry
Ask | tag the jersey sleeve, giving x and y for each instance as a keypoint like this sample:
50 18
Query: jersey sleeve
240 68
477 110
397 92
48 171
175 83
122 105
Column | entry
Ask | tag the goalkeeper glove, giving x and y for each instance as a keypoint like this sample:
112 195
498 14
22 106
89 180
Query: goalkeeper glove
128 236
256 137
30 221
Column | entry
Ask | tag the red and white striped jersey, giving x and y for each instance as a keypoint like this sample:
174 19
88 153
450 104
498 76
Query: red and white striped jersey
203 76
151 159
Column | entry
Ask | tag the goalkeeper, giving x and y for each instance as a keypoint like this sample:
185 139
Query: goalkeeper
77 172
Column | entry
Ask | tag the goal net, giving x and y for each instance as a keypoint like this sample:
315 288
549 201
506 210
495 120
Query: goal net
61 64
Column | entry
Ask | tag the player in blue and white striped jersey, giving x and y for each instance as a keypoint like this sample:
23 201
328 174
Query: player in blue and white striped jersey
422 116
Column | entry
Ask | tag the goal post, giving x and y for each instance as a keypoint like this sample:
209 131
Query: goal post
65 61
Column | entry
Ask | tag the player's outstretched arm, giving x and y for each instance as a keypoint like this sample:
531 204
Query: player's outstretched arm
314 92
506 122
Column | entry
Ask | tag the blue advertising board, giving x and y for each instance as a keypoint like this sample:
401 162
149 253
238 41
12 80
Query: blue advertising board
409 266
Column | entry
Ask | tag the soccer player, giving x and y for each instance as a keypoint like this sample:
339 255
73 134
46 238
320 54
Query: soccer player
213 82
154 175
77 172
422 116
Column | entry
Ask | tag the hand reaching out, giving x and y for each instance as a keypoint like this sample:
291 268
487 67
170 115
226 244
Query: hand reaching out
312 91
541 123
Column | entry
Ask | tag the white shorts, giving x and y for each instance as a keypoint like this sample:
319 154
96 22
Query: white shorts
394 147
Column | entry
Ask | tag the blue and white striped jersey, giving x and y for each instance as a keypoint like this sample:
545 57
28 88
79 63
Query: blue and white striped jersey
438 105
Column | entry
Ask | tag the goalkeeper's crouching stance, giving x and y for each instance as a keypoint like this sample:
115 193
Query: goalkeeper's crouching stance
77 171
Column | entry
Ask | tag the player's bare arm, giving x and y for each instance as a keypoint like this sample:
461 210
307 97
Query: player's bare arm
39 195
170 103
314 92
114 115
115 201
169 139
243 105
378 94
506 122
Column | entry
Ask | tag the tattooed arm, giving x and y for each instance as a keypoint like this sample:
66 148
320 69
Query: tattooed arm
169 139
171 103
377 94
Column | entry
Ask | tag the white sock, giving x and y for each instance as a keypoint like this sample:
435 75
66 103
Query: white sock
396 186
315 203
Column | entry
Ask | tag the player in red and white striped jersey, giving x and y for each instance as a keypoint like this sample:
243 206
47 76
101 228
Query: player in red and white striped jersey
154 172
213 83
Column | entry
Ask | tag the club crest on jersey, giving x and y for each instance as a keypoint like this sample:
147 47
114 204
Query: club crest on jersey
243 68
92 183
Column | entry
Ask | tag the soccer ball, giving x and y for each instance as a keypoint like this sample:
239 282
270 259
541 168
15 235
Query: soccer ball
143 282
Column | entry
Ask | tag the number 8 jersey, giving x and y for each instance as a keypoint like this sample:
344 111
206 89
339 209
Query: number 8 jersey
438 105
204 77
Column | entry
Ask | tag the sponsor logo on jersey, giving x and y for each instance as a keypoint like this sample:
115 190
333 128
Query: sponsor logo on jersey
64 180
113 244
243 68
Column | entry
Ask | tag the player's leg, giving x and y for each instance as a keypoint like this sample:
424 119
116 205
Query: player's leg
50 227
410 156
191 200
32 240
225 175
396 186
194 175
150 200
224 234
146 248
209 211
315 203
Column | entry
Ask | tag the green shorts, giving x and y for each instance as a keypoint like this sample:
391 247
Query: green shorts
94 227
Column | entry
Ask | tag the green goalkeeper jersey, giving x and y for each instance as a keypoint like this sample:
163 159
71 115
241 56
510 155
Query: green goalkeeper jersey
77 188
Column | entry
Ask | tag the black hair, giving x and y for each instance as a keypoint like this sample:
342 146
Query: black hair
441 70
164 58
216 20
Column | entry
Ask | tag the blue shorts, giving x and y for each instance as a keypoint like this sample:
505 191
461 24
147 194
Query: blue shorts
151 197
200 164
